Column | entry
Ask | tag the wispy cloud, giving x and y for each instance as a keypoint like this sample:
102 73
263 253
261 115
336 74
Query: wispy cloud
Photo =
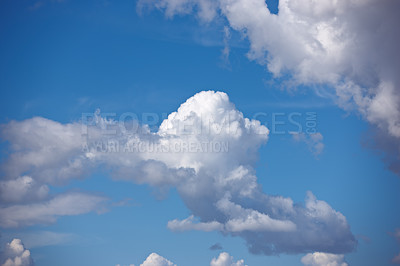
48 211
34 239
313 141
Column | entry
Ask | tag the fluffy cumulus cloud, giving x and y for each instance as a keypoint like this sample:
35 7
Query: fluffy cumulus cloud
15 254
156 260
323 259
206 149
224 259
342 48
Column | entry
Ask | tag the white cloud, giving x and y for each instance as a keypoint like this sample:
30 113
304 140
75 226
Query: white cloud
224 259
156 260
188 224
48 150
206 149
22 189
48 211
241 219
206 9
226 50
323 259
15 254
333 47
313 141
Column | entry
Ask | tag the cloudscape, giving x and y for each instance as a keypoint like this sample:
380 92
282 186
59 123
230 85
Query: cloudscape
200 132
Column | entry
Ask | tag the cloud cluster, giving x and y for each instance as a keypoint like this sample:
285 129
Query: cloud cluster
323 259
216 182
224 259
342 48
15 254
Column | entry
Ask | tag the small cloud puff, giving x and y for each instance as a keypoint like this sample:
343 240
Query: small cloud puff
323 259
224 259
216 246
156 260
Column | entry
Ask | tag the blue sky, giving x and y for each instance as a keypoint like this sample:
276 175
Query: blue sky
62 59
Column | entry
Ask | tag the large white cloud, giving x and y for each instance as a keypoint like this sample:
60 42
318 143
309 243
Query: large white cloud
224 259
15 254
323 259
346 48
206 149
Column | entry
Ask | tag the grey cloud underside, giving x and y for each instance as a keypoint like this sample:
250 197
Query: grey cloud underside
346 48
218 186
